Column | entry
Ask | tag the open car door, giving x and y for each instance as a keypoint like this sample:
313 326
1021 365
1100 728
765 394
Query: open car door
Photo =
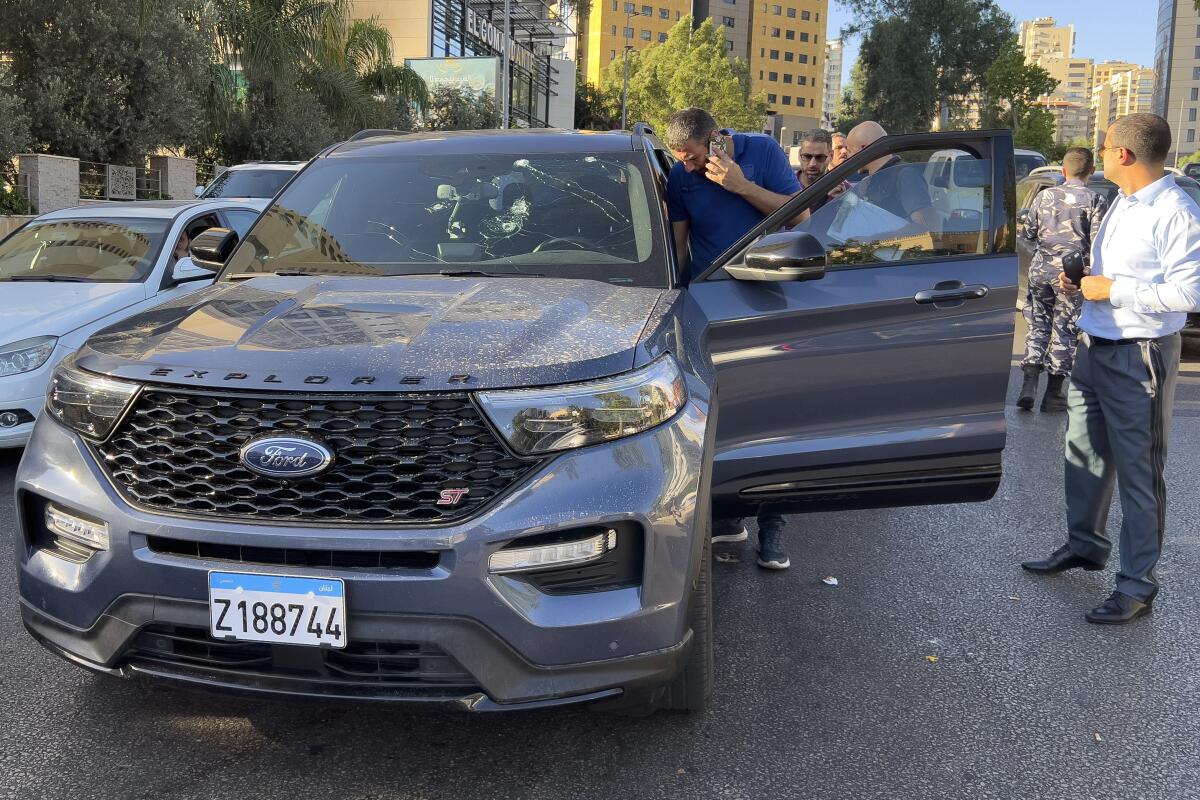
863 356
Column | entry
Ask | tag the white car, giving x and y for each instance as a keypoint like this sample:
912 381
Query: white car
69 273
262 179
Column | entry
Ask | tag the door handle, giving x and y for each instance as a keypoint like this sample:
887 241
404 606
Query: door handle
960 292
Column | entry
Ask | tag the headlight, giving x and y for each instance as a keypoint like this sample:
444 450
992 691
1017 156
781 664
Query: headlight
26 355
563 417
87 404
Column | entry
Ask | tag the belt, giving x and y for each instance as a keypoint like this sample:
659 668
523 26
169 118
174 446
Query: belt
1100 341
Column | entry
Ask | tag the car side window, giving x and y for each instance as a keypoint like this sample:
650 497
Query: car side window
908 208
241 221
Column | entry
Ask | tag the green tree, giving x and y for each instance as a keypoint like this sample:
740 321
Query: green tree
14 129
277 64
1011 87
105 81
917 55
691 68
595 110
454 109
1037 132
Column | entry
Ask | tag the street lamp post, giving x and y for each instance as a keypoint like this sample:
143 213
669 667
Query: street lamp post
625 91
625 71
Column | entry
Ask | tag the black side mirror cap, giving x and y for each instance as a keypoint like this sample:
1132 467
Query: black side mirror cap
212 248
783 256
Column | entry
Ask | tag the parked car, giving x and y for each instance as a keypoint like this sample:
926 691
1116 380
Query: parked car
1052 169
452 424
261 179
68 273
1027 161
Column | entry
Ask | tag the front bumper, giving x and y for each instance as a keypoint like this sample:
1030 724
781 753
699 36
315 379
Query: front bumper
512 645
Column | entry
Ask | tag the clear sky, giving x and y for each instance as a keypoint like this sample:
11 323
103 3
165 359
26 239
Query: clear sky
1105 30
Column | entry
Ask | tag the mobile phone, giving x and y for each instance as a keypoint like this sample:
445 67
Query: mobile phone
718 142
1073 266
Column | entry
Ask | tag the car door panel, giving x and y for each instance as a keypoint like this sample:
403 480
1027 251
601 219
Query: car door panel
847 392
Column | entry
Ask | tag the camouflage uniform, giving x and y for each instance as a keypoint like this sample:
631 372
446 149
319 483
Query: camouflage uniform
1062 220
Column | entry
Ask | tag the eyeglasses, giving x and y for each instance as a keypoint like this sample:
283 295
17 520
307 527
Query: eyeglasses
811 157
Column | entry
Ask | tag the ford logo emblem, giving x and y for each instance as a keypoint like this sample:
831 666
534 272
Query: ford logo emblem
286 457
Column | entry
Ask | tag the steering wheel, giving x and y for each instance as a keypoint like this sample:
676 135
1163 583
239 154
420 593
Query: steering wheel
577 241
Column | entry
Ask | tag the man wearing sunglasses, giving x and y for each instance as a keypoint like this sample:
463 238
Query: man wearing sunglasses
815 155
1145 277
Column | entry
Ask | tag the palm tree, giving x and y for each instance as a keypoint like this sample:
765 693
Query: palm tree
270 46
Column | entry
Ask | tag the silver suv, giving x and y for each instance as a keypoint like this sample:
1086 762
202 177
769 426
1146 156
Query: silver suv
451 426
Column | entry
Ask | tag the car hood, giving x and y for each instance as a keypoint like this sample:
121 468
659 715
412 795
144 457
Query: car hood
380 334
56 309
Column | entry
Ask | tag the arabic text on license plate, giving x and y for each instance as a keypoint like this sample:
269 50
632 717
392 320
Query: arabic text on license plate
277 608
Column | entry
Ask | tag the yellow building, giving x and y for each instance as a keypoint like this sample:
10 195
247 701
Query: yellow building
612 25
787 63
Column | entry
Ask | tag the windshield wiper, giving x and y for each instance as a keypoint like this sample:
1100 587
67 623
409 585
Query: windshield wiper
48 278
474 273
280 273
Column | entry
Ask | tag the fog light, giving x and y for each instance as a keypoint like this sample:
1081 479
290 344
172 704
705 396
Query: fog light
8 419
77 529
559 554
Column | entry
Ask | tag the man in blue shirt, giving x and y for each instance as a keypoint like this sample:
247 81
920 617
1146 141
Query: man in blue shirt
714 199
1145 278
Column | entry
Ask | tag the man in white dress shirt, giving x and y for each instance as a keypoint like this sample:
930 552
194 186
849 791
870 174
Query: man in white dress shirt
1145 277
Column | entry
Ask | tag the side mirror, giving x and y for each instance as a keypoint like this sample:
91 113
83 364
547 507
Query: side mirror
1023 216
783 256
199 191
186 270
212 248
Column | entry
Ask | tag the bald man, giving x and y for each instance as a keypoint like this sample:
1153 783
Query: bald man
892 184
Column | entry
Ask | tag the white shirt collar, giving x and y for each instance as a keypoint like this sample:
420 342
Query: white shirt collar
1148 194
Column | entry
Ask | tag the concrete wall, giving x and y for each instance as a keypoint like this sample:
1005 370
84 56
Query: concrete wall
177 175
53 181
562 94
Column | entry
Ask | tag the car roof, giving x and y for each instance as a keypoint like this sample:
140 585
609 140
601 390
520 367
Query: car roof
503 142
1020 152
152 209
281 166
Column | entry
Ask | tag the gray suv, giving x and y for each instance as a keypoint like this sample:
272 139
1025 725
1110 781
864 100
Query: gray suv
451 425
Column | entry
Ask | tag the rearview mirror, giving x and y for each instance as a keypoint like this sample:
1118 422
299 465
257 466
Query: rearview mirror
783 256
212 248
187 270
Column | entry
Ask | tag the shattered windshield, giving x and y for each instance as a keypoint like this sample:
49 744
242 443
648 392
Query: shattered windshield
555 215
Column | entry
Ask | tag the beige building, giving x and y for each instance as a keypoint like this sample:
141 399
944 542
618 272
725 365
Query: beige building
1044 37
1177 73
1072 121
787 63
833 84
1129 91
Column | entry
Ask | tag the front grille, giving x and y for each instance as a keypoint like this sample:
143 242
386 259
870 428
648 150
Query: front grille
366 666
369 560
178 451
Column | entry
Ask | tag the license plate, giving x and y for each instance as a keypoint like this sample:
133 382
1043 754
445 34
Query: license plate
277 608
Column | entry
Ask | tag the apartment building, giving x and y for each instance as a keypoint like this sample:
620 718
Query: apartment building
833 84
787 63
613 25
1129 91
1045 37
1176 94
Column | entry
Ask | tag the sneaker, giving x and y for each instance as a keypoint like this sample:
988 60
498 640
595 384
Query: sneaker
729 530
771 554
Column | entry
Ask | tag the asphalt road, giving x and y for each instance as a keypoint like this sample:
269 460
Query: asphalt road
935 669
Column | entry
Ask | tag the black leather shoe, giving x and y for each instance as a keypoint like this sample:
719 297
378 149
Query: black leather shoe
1060 560
1117 610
